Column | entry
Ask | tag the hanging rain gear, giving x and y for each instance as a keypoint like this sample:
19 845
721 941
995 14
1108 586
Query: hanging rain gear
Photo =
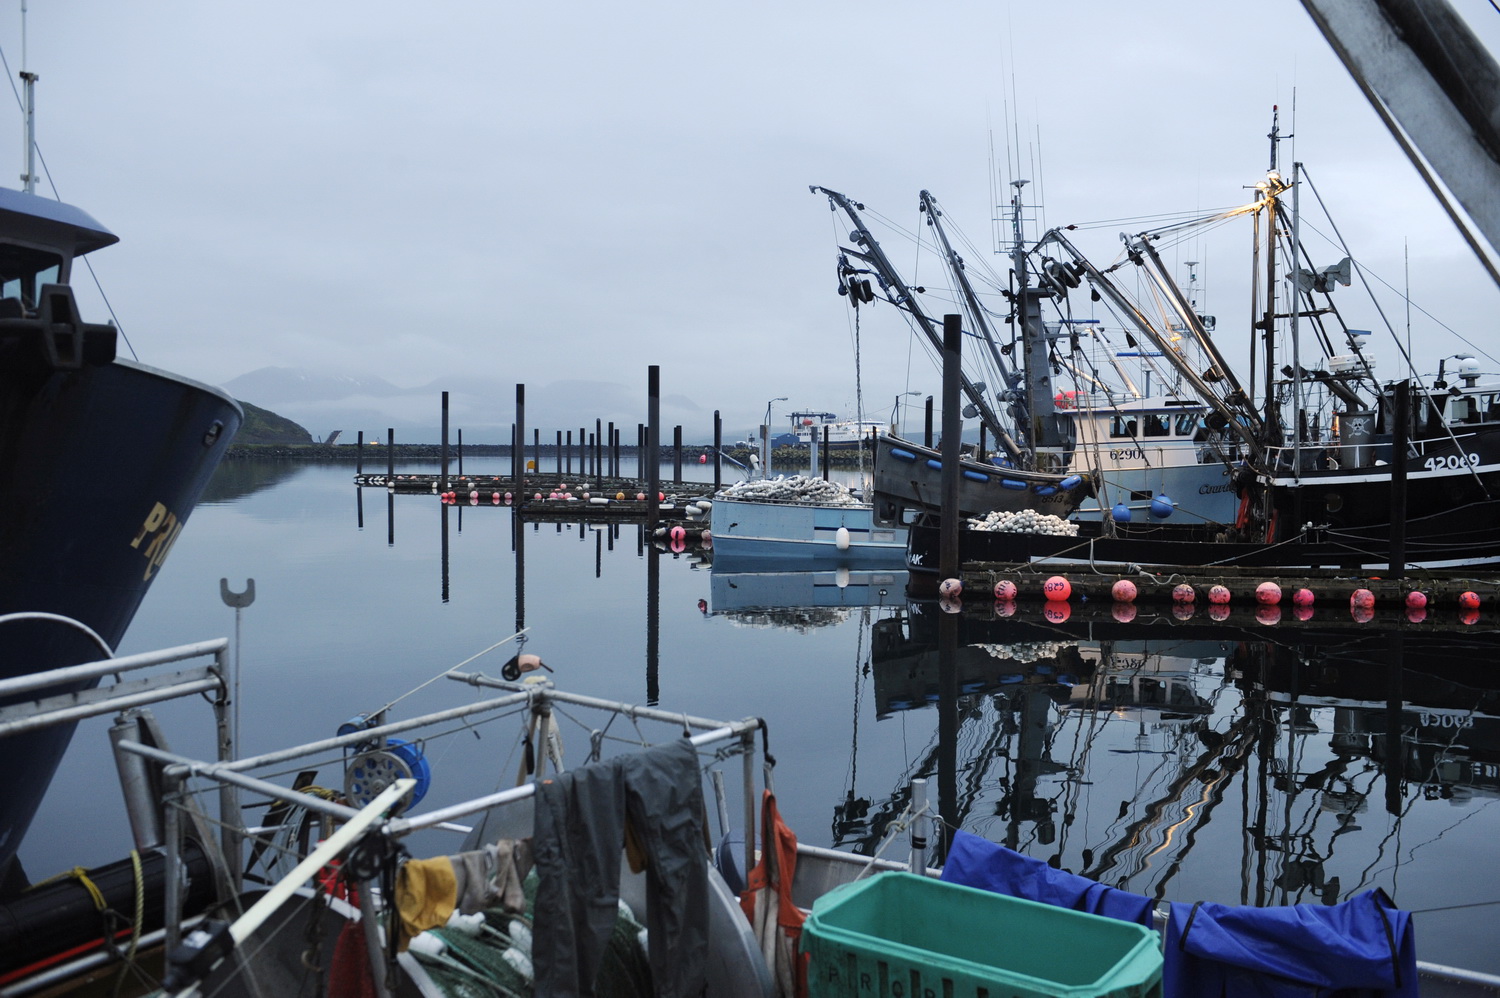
774 917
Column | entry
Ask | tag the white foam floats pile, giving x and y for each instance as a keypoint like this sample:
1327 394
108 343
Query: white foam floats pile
1024 521
797 488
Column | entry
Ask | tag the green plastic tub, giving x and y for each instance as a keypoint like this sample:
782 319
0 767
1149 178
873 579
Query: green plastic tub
898 935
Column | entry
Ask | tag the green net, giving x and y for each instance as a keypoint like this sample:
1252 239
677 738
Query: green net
497 962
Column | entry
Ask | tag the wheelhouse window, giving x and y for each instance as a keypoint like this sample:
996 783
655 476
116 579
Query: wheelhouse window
1186 424
1157 425
1122 426
23 271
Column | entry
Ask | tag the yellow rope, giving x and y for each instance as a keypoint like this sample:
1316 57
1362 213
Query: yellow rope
81 874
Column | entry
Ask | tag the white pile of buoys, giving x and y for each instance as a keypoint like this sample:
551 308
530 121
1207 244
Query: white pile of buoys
798 488
1025 651
1024 521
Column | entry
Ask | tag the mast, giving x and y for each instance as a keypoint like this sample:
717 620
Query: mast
897 293
960 275
28 179
1267 323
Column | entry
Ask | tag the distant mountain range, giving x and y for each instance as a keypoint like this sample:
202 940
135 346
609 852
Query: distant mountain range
484 408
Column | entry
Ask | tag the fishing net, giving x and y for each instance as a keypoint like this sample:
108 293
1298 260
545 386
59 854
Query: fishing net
496 963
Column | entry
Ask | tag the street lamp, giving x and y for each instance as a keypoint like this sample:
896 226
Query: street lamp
766 433
896 412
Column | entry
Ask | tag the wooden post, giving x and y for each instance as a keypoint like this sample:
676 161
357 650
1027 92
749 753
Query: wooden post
653 450
952 432
677 453
460 452
521 428
359 454
559 452
445 440
390 454
1398 480
927 430
718 449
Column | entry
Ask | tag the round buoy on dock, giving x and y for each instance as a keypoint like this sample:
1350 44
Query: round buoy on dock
1218 595
1468 600
1183 593
1123 591
1416 599
950 588
1005 590
1057 589
1362 599
1268 594
1303 597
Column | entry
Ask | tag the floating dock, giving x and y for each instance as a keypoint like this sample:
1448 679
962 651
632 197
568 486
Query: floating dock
1238 588
560 497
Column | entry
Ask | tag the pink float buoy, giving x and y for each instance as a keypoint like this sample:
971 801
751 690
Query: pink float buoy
1416 599
1303 597
678 534
1057 589
1362 599
1218 595
1468 600
1183 593
1468 617
1056 611
1302 612
1416 614
1123 591
1005 590
1183 611
1218 611
1268 594
950 588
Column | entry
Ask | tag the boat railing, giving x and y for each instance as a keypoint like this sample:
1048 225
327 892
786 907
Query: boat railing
184 779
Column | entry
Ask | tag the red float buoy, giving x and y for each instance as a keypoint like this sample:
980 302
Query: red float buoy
1057 589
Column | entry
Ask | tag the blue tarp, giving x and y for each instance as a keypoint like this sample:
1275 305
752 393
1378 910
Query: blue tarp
1365 946
1362 946
976 862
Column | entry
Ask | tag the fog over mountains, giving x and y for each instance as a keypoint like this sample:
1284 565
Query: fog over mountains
484 408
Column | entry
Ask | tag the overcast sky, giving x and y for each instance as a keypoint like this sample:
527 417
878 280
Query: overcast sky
553 193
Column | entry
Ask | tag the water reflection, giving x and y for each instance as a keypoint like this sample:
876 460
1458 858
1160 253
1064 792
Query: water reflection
1110 749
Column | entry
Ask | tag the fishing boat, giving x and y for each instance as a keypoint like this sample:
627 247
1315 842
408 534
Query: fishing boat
815 429
102 459
1067 417
785 521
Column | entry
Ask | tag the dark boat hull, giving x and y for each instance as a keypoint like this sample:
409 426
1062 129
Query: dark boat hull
100 465
909 476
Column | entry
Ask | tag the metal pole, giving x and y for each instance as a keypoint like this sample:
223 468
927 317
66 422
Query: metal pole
359 454
521 427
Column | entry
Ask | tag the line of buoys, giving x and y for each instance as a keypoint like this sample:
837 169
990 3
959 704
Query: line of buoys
1145 588
1058 611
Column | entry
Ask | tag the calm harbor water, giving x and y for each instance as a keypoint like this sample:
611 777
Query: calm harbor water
1181 761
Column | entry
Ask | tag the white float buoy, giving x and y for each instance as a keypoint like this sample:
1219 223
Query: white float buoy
841 539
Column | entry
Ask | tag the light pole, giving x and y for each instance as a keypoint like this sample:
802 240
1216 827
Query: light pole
896 412
766 433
